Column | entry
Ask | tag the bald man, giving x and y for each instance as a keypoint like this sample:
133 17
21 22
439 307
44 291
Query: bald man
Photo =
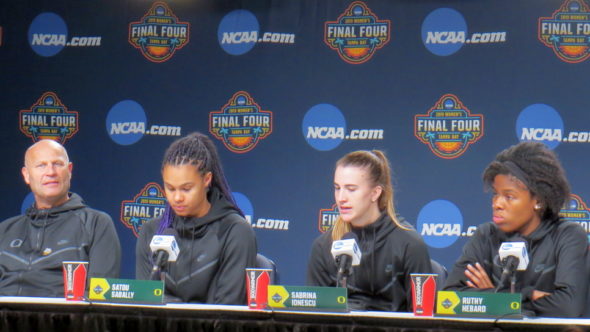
58 227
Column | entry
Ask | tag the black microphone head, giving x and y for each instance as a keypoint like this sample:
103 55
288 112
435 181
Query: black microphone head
164 255
350 235
510 262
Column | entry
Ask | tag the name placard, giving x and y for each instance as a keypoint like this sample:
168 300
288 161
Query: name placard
478 304
126 290
307 298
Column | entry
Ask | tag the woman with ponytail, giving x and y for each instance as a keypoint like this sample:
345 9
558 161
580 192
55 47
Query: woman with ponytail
215 241
391 249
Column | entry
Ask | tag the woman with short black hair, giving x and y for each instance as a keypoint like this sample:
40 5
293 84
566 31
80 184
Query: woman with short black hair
529 189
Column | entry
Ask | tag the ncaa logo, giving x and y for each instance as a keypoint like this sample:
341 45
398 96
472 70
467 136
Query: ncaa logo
506 246
444 31
247 208
324 127
126 122
540 123
47 34
440 223
238 32
245 205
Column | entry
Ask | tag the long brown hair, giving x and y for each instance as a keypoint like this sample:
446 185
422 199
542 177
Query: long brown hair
377 167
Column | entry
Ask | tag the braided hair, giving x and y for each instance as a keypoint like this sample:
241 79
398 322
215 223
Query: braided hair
198 150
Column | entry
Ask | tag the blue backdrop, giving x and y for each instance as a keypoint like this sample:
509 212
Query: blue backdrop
285 88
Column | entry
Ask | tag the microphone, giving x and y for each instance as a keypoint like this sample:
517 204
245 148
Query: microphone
346 254
514 257
164 249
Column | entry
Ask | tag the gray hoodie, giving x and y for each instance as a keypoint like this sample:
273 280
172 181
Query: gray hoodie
382 280
34 245
557 264
215 250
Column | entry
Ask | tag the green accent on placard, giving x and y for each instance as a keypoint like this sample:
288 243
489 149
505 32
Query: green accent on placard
126 290
307 298
478 304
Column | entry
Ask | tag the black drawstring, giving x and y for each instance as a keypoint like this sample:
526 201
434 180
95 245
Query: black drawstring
37 244
42 238
29 227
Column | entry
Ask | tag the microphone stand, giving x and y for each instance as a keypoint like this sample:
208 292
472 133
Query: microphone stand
344 270
508 270
341 280
161 259
156 274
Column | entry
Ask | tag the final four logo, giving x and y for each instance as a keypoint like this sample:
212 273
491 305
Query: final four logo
567 32
148 204
448 128
241 123
576 210
328 218
159 33
48 118
357 33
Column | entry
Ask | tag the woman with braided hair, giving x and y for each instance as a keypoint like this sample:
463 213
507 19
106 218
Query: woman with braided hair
391 249
529 189
215 241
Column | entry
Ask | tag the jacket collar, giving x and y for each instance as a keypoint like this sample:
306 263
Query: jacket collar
220 207
40 217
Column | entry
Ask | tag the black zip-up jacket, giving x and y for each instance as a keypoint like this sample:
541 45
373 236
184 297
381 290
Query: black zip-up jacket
557 264
215 250
382 280
34 245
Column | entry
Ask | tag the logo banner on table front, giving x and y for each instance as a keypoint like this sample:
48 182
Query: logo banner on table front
478 304
307 298
126 290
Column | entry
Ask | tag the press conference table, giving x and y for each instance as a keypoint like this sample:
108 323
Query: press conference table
50 314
